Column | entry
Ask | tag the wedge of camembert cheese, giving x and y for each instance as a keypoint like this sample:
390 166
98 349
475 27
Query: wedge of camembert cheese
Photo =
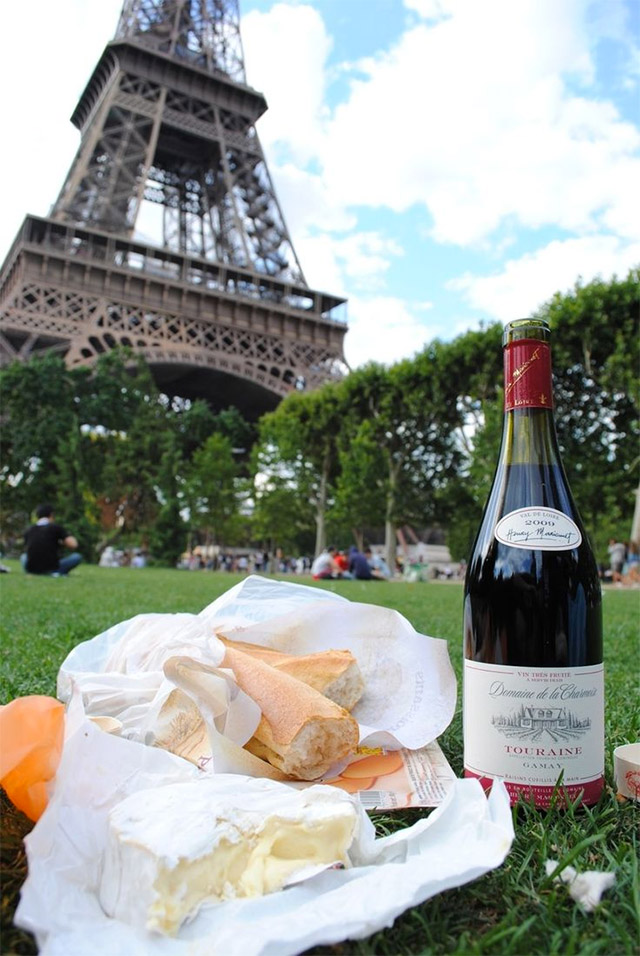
173 848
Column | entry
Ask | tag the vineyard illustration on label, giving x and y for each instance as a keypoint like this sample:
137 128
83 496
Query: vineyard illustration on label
537 723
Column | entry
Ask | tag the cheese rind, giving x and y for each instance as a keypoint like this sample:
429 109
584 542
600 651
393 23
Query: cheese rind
173 848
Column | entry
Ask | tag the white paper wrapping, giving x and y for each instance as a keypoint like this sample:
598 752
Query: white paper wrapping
410 686
464 838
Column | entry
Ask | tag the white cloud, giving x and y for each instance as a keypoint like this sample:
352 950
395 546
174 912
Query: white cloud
472 118
365 256
286 50
47 57
305 201
468 114
485 114
384 329
431 9
356 261
320 264
527 283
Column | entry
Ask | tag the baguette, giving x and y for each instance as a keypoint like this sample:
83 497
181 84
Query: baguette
301 732
333 673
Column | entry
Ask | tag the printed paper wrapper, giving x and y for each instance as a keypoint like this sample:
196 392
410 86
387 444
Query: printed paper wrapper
397 779
464 838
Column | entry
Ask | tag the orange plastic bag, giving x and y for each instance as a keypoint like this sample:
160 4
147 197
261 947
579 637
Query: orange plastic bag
31 737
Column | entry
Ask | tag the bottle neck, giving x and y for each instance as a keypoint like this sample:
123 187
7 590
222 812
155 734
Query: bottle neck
527 375
529 433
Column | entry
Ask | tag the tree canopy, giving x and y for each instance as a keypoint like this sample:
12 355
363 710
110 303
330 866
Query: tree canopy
411 444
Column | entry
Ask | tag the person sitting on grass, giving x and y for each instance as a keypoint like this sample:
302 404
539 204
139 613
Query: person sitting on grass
325 565
379 567
43 541
360 567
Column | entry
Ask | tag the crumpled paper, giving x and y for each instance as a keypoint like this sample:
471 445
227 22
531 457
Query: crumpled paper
585 888
131 671
465 837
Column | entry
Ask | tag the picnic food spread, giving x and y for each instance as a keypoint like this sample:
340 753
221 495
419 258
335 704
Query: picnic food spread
161 863
125 843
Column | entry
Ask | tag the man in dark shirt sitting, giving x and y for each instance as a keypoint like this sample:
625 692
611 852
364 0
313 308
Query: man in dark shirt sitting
359 566
43 541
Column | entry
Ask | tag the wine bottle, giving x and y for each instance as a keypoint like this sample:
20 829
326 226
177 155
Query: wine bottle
533 682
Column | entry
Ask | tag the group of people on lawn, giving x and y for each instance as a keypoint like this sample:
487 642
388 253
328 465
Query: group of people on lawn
361 565
45 539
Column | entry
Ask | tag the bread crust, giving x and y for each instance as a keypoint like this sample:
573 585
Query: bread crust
334 673
301 731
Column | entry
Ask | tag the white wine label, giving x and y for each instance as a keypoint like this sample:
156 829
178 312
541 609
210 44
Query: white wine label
541 529
530 725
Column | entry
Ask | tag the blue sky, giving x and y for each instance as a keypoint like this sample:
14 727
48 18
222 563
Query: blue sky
441 163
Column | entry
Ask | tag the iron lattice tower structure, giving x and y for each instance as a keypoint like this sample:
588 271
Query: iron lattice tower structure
217 302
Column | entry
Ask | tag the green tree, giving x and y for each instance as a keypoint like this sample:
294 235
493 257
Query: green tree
475 363
241 433
282 517
61 430
596 363
109 394
305 430
193 423
168 532
475 360
130 475
413 416
76 508
211 491
361 485
38 413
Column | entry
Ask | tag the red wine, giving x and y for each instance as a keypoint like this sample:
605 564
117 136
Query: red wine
533 705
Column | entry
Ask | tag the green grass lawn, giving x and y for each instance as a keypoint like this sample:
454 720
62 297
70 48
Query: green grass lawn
512 910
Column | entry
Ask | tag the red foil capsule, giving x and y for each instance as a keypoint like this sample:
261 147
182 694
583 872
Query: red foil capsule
527 375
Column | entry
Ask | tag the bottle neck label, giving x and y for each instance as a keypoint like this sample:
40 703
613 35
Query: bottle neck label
539 529
527 375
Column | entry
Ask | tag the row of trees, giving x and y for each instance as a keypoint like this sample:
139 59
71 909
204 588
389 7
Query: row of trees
412 444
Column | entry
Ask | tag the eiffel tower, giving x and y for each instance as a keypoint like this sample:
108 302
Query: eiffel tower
217 302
